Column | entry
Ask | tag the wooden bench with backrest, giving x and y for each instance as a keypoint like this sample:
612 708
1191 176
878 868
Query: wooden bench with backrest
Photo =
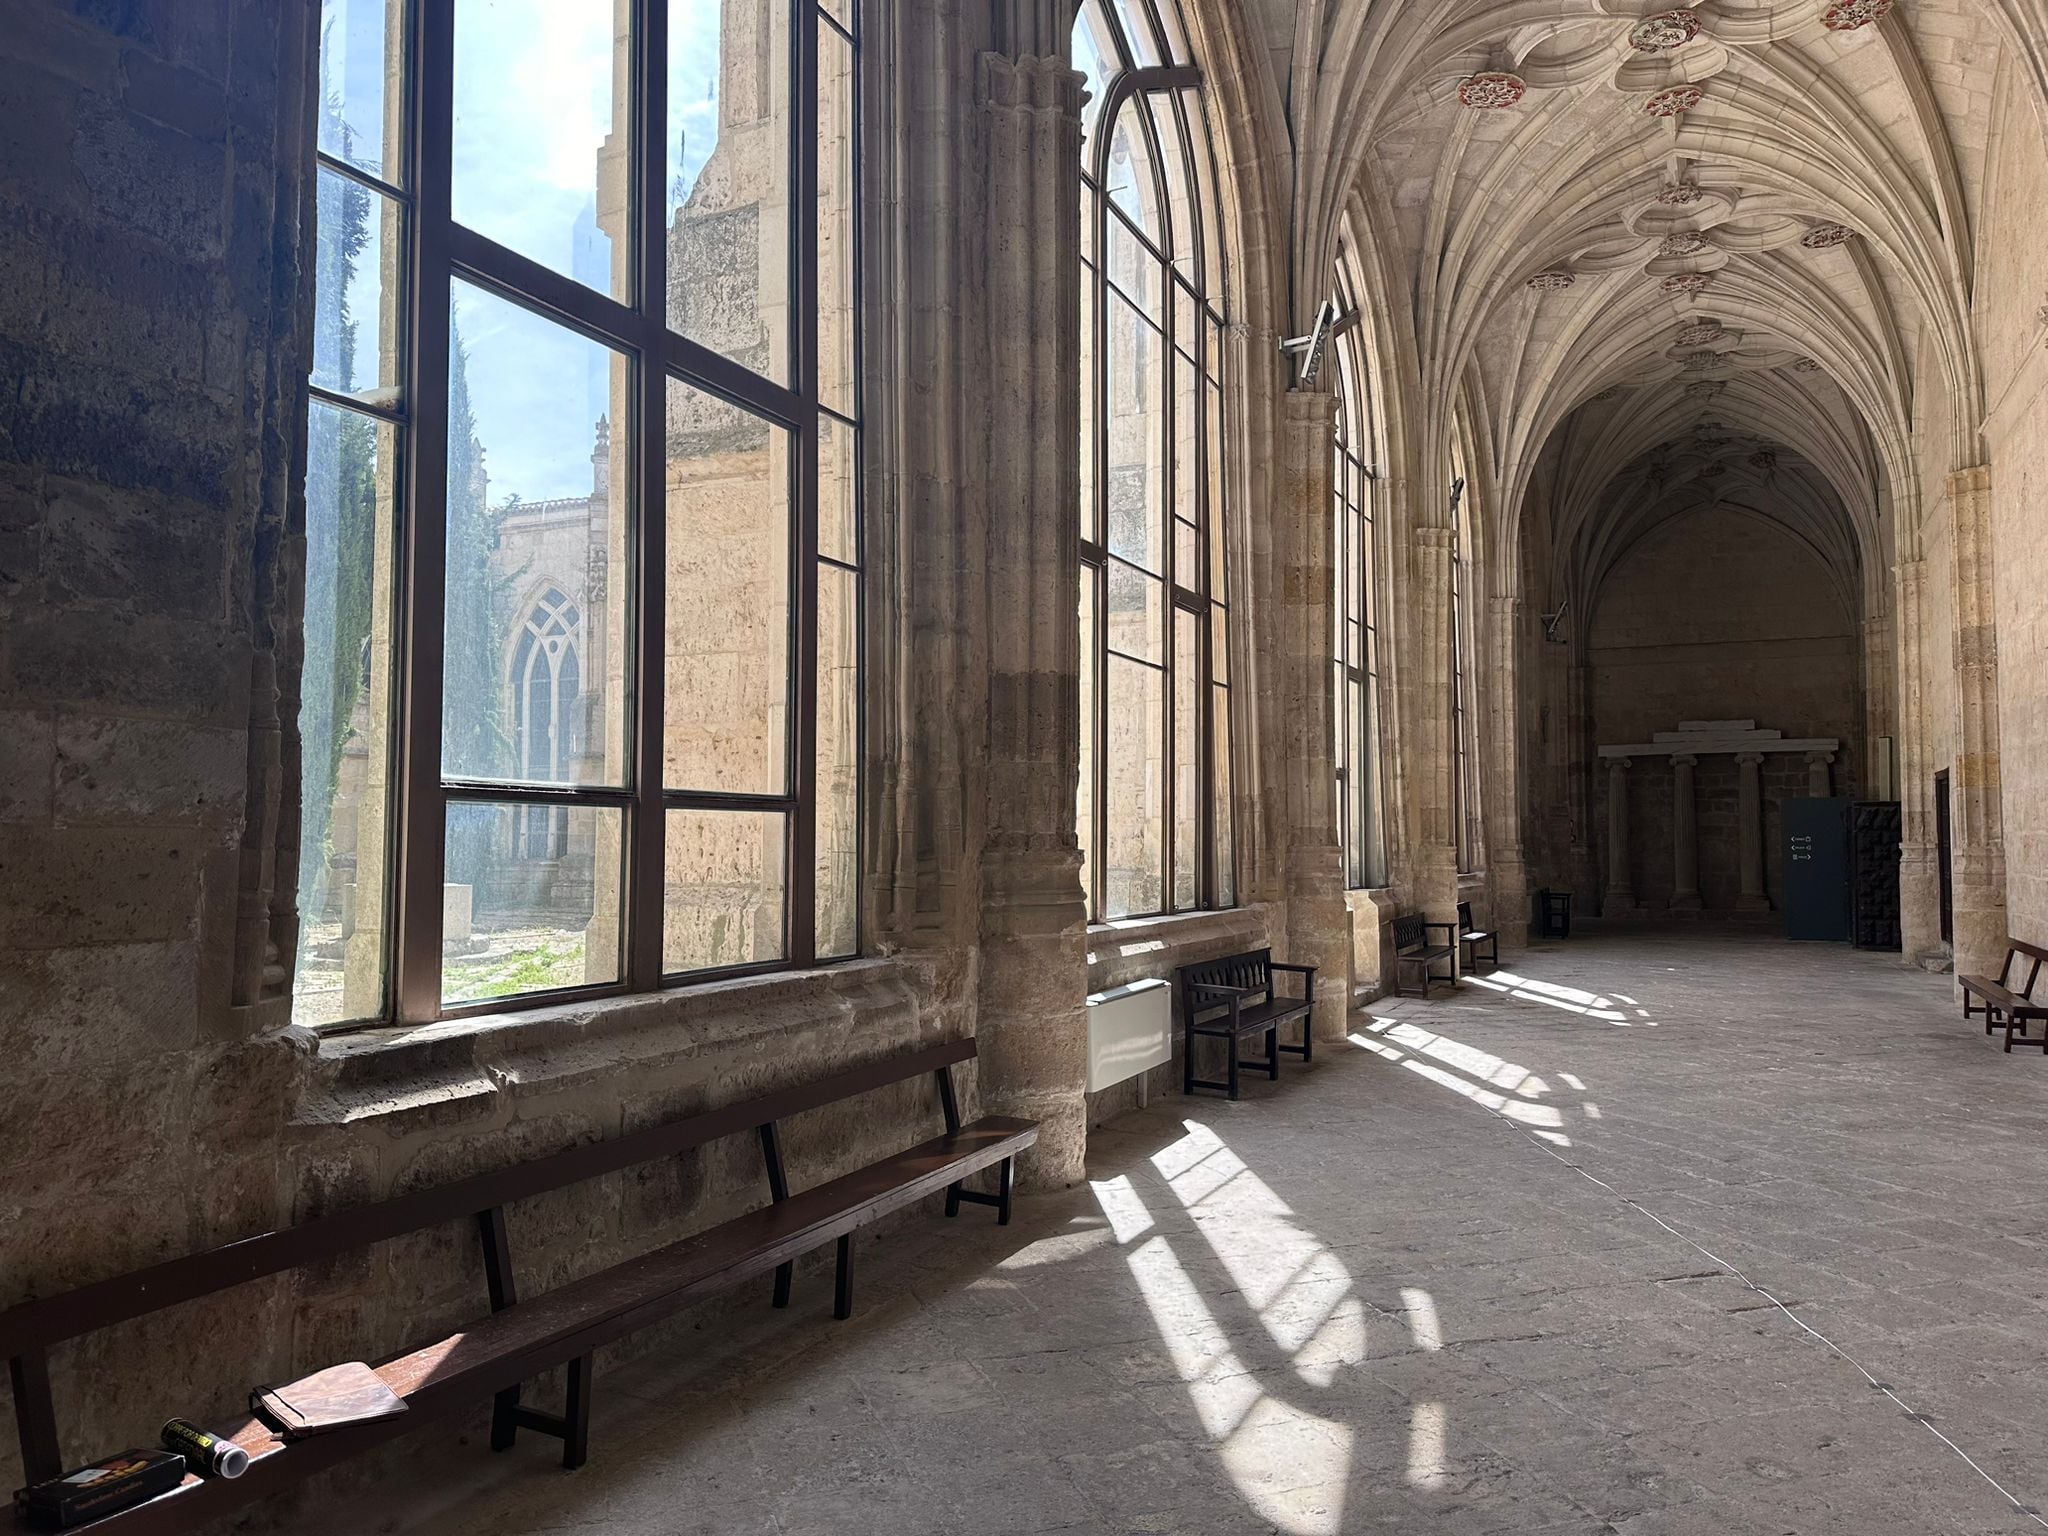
1233 998
520 1338
2004 1002
1470 938
1416 950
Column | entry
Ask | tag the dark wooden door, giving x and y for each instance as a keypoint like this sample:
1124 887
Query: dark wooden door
1944 843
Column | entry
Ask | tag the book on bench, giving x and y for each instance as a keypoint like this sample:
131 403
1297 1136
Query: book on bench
331 1399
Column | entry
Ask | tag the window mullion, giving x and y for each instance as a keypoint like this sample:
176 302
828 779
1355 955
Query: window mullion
421 804
801 914
647 826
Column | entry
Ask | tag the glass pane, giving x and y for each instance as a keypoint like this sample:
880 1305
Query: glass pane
1133 181
1137 271
1219 643
1137 433
344 717
1138 32
362 84
1135 856
838 200
838 491
1137 614
1095 57
1179 237
1226 803
534 674
531 900
1187 461
1187 554
1091 521
1219 507
729 179
1361 778
1205 173
727 640
838 835
1187 761
355 291
541 158
840 11
725 889
1084 806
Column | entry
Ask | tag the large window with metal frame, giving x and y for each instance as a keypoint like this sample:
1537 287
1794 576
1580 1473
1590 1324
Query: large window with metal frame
1356 481
1155 811
581 699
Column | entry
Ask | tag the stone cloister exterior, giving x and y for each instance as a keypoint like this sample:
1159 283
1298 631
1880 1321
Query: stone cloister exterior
1733 347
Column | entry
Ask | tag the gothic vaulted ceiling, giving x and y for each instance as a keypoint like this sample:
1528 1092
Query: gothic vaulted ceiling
1667 258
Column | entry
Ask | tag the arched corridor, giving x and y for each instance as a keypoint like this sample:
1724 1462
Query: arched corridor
642 641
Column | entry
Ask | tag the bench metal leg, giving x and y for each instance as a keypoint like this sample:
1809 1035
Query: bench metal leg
842 1287
1008 1191
1273 1053
576 1416
1308 1037
505 1419
1233 1068
952 1199
785 1277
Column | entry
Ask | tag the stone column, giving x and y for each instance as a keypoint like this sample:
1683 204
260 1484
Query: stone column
1507 870
1819 785
1428 723
1975 780
1685 836
1031 979
1750 830
1621 896
1919 879
1318 920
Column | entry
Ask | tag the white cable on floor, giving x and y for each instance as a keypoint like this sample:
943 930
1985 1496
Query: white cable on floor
1912 1413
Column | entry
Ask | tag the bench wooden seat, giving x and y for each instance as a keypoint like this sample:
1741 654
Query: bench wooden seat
2008 1002
1415 950
518 1339
1472 938
1233 999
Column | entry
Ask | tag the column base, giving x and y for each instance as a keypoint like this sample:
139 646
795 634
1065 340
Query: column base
1687 901
1749 903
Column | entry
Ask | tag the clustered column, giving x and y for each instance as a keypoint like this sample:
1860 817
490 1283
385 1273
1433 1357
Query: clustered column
1621 896
1751 833
1685 835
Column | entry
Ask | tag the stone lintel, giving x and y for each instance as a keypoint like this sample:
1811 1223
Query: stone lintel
1708 746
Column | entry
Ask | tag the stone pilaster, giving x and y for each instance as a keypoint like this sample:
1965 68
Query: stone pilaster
1979 820
1819 782
1432 760
1318 921
1919 878
1031 1003
1621 893
1750 832
1507 870
1685 835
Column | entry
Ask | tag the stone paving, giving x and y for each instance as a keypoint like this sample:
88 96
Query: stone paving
1379 1296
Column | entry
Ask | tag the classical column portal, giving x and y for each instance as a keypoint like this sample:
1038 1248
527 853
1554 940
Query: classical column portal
1819 784
1318 921
1975 785
1750 831
1031 1005
1621 896
1685 836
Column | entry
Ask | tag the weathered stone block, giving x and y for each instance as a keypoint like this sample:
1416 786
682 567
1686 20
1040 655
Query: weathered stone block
65 1010
120 771
61 887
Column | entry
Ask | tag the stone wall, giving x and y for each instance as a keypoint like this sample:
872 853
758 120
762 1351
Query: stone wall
1720 616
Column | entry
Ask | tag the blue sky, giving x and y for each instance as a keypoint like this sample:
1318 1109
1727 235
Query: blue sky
533 87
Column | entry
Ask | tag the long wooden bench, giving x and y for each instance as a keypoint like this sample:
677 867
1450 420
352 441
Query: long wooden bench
1415 950
2002 1002
1233 999
518 1339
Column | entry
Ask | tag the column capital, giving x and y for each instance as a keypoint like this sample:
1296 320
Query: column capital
1620 764
1819 759
1685 760
1749 759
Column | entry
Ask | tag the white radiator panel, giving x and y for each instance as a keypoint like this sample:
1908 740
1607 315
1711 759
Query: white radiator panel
1130 1030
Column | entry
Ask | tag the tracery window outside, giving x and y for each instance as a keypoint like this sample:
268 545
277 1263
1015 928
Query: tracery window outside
622 252
1155 806
1357 597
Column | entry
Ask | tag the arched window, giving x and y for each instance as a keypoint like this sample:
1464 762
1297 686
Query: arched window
547 683
1155 813
1356 485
